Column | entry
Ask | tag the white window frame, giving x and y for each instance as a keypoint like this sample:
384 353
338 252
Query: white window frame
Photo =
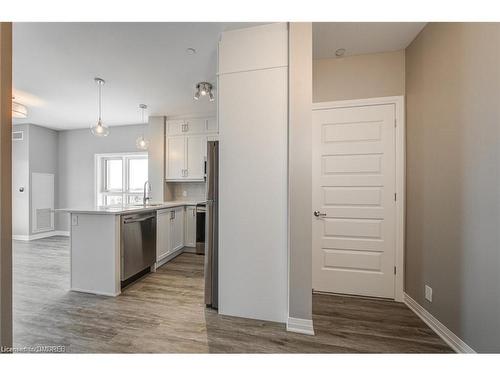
100 176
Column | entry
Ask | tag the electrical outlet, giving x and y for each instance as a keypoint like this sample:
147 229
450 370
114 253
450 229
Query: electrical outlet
428 293
74 220
184 193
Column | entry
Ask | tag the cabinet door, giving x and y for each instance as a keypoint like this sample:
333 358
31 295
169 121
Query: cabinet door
176 127
175 156
163 236
190 227
211 125
196 150
178 229
195 126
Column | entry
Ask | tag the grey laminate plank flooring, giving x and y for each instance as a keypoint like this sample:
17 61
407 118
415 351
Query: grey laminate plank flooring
164 313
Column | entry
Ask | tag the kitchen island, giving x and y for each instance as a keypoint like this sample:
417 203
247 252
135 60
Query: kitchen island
96 244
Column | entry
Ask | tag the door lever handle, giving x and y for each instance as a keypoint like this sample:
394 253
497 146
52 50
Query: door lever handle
319 214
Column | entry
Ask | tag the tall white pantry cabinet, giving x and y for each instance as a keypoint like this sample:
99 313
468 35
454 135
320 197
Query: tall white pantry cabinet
253 130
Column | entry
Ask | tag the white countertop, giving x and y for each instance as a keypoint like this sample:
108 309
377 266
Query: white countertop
126 209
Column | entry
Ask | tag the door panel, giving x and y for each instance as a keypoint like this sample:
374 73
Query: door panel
353 187
178 229
196 150
175 156
163 236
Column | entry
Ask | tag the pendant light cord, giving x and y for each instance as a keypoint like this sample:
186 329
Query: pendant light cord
100 100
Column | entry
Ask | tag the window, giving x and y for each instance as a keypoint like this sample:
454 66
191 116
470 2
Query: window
120 178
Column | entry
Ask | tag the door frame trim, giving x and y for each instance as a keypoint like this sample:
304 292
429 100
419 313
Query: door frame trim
400 135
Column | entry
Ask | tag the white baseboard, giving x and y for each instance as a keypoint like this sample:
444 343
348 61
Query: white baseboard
187 249
304 326
38 236
455 342
168 258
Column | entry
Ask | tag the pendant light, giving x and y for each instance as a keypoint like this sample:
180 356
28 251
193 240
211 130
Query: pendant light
99 129
141 142
204 89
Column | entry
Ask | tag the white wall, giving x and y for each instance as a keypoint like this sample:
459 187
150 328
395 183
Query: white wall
76 164
359 77
253 97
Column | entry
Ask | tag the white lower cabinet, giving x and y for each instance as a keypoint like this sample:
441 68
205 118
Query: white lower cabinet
163 228
178 228
169 231
190 228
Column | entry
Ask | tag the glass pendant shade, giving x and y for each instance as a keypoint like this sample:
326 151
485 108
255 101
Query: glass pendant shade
142 143
99 129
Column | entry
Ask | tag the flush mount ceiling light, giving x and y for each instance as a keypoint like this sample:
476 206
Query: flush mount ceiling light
99 129
141 142
18 110
190 51
204 89
340 52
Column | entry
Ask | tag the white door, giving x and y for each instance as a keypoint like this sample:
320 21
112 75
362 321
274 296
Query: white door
190 227
196 151
163 236
354 192
175 155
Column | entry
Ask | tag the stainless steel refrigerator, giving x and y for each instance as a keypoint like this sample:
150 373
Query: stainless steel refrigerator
212 227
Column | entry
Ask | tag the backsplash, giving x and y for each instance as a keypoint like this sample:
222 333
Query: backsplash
185 191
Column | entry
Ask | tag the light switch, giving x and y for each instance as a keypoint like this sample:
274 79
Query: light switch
74 220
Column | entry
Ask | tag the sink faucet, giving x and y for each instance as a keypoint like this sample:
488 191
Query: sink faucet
147 192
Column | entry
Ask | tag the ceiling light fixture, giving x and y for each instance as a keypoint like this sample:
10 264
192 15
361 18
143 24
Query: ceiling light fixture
141 142
99 129
340 52
19 110
204 89
190 51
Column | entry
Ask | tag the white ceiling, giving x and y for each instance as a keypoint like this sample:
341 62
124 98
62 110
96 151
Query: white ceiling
360 38
54 66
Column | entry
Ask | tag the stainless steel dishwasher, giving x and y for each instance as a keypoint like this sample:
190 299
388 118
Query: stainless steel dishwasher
138 245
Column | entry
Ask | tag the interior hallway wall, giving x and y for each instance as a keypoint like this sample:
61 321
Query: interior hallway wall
43 158
21 181
76 164
453 167
299 171
359 77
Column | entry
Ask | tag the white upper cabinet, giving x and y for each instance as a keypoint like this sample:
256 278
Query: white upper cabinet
191 126
186 147
175 162
196 152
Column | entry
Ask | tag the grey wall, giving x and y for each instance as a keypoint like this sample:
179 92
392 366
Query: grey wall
453 166
76 164
43 158
358 77
21 179
36 153
299 170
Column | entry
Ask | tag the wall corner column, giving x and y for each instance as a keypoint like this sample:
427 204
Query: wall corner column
299 178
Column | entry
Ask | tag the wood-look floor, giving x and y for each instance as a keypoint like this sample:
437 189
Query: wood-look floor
164 312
